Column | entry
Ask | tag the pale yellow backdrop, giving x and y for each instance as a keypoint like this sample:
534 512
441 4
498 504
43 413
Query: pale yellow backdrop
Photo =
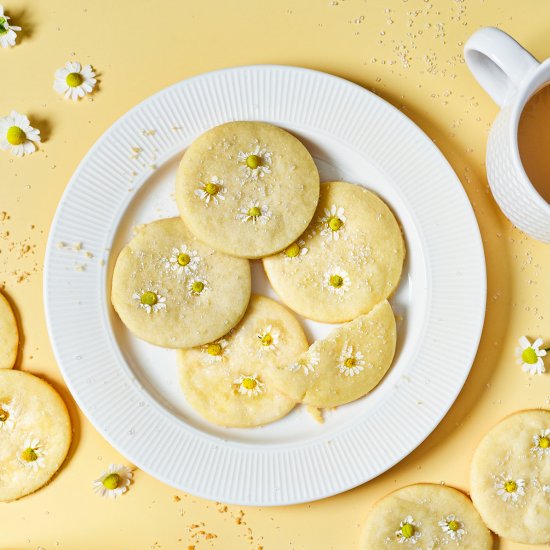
408 52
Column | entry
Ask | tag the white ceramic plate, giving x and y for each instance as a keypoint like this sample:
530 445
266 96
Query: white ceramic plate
128 389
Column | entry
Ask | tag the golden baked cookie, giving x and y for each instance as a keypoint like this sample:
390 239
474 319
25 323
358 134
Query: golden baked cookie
349 259
425 516
247 188
9 335
172 290
343 366
510 477
35 433
229 381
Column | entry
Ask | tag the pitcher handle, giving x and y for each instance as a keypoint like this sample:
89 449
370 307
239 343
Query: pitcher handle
498 62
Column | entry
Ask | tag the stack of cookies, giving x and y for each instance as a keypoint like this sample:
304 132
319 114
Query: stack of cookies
333 252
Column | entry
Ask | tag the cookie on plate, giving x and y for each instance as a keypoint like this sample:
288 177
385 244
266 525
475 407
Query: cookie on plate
229 381
172 290
510 477
35 433
345 365
9 335
425 516
349 259
247 188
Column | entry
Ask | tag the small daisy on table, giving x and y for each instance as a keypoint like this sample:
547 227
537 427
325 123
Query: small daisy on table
529 356
8 34
74 81
113 482
17 135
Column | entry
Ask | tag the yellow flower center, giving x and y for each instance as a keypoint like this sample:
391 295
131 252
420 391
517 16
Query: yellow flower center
29 455
253 161
349 362
111 481
74 79
197 286
183 259
4 415
249 383
293 250
16 136
335 223
149 298
453 525
336 281
254 211
407 530
510 486
544 442
267 339
529 356
211 188
214 349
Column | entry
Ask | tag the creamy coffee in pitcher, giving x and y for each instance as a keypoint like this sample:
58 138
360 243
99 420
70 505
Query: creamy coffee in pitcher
534 141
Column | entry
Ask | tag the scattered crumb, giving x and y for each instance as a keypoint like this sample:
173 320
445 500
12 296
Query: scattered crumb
77 246
80 267
176 498
316 413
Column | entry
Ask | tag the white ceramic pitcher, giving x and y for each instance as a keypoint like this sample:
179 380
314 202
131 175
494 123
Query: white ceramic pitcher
510 75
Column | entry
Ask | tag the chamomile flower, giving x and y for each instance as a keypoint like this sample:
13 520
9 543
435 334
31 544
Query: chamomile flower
350 362
255 163
32 454
249 385
453 528
408 532
216 351
336 280
306 363
254 212
8 415
113 482
541 443
268 339
150 299
8 33
17 135
182 260
333 223
212 191
529 356
509 489
295 250
197 285
74 81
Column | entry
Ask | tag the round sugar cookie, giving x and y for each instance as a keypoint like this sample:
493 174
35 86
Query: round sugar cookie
425 516
345 365
247 188
35 433
229 381
349 259
510 477
172 290
9 335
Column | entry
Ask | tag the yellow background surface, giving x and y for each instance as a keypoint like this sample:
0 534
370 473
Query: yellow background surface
409 53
